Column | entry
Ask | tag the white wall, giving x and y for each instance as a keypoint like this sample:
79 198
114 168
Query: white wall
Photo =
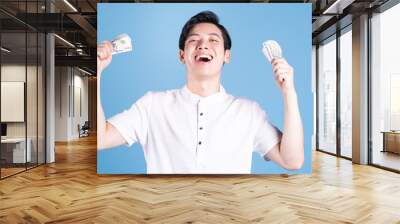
80 103
70 84
80 118
15 72
62 80
33 127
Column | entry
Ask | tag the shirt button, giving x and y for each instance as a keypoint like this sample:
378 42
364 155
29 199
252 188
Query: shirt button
201 114
201 128
199 142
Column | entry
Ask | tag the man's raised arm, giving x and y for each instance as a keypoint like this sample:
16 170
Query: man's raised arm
290 153
107 135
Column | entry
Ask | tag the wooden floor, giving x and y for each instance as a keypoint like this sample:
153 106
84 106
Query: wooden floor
388 159
10 171
5 172
70 191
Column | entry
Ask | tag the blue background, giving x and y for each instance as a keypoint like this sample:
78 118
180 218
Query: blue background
154 66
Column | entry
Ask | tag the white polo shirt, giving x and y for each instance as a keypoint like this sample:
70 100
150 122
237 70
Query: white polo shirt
181 132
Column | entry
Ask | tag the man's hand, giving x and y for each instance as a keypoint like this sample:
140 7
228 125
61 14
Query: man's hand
104 56
283 74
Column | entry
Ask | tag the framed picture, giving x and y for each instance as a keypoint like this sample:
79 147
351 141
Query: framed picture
143 91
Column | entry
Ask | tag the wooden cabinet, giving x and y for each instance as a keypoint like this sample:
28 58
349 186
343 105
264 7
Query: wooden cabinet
391 141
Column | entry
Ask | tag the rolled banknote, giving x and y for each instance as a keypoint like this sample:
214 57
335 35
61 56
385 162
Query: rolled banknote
122 43
271 50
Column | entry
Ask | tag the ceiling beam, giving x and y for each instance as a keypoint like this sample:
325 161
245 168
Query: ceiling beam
86 26
337 6
82 61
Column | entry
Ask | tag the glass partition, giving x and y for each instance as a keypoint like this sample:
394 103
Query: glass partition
13 108
41 87
22 77
327 95
346 93
31 100
385 85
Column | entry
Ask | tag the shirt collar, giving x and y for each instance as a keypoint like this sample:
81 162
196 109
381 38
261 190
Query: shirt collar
194 98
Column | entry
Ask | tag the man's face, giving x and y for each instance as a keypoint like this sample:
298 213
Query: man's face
204 53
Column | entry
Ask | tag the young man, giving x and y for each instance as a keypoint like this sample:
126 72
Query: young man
201 128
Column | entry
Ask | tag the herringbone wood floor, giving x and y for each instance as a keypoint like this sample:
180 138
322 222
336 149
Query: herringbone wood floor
70 191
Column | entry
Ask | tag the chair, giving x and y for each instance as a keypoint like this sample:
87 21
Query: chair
84 130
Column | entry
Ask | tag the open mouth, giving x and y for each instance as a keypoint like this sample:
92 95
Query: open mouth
203 58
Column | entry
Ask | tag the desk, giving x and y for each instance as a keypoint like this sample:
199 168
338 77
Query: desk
17 150
391 141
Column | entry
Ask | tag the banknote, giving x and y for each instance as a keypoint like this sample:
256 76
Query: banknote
271 50
121 43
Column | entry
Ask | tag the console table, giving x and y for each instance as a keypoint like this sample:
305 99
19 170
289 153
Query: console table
13 150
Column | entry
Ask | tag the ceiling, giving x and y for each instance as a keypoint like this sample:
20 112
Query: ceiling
76 22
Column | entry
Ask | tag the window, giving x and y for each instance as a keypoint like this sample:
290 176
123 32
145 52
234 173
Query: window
346 75
327 96
385 85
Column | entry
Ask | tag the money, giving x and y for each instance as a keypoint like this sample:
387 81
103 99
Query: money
121 44
271 50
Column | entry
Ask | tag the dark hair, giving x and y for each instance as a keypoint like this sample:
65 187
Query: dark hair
204 17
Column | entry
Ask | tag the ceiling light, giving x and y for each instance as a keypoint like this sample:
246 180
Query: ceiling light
84 71
79 51
64 40
338 6
70 5
5 50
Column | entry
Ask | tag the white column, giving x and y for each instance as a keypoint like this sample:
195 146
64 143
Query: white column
50 93
360 90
